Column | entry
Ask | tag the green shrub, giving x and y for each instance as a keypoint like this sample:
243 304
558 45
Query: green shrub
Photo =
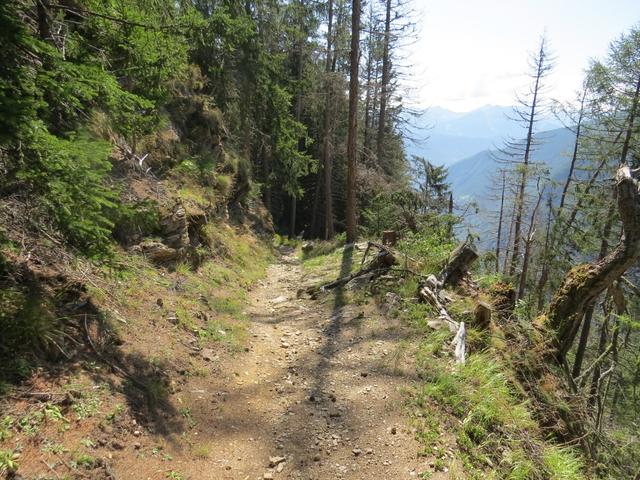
69 179
141 218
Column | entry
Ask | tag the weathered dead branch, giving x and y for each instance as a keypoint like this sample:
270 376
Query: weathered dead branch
432 297
378 265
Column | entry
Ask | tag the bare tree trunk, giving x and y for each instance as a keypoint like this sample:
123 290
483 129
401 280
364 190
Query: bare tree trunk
301 140
527 249
327 161
386 73
266 173
522 186
506 253
352 139
316 204
584 283
602 344
294 207
368 112
499 239
582 344
610 374
546 254
44 20
574 157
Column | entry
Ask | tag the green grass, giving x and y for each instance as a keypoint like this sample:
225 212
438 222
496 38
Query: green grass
562 463
208 300
329 266
498 435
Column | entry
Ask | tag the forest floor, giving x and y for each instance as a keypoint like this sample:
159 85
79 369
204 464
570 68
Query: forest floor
319 393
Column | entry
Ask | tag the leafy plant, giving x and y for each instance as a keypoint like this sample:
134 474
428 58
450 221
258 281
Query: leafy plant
8 461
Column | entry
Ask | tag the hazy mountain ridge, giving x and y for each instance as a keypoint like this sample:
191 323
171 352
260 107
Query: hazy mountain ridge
471 179
445 137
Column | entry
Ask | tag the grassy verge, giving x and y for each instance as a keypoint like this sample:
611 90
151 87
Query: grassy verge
495 432
208 301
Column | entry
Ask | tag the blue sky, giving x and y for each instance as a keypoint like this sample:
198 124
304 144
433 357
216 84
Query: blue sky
474 52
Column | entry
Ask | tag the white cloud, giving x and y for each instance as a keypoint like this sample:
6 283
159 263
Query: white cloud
474 52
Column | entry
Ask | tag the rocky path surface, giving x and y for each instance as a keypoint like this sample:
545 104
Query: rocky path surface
318 393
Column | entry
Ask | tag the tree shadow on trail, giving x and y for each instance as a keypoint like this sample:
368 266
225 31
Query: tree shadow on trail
335 326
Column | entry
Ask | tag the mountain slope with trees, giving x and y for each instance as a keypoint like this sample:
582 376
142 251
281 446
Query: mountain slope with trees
156 158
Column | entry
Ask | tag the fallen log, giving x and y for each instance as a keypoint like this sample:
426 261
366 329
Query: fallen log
378 265
431 297
459 344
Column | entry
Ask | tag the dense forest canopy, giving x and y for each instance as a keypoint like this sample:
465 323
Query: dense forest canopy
299 106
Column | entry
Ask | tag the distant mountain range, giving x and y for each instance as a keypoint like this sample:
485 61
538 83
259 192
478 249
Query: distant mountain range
444 137
471 179
467 142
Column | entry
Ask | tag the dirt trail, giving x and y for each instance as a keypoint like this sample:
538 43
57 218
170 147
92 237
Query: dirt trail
319 384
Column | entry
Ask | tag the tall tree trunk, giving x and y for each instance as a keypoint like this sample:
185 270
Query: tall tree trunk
368 113
546 254
506 253
499 239
266 174
327 160
299 73
352 139
602 344
574 156
522 186
315 212
582 343
584 283
294 207
44 20
527 249
384 88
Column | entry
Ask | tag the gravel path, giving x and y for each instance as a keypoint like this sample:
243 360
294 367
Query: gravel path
318 393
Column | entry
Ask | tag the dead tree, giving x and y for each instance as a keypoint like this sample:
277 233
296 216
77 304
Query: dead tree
584 283
529 115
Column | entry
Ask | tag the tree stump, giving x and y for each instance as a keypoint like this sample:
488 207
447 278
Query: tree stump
482 314
389 237
458 264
